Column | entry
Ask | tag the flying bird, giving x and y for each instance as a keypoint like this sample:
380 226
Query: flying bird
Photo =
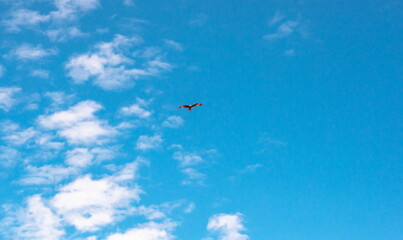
189 107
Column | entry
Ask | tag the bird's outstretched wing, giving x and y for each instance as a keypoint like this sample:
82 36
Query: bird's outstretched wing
196 104
184 106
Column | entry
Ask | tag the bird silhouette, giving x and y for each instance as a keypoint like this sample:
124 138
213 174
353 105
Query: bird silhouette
189 107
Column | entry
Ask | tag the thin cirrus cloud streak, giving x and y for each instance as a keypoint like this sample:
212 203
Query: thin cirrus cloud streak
109 68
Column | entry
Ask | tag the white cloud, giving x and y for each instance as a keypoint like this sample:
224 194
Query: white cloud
136 109
48 174
89 204
40 73
30 52
251 168
289 52
109 68
128 2
174 45
57 24
7 97
35 222
149 142
24 17
187 159
278 17
59 98
21 137
8 156
78 124
149 231
173 122
79 157
284 30
229 226
193 176
62 34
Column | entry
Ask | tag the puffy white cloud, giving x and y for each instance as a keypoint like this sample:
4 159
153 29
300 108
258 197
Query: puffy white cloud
35 222
30 52
78 124
109 68
89 204
7 97
149 142
173 122
229 226
149 231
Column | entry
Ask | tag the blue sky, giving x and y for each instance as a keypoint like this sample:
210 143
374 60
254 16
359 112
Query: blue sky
299 135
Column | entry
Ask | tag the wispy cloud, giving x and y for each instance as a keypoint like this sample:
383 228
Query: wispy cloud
283 27
173 122
7 97
40 73
199 20
284 30
188 163
174 45
149 142
30 52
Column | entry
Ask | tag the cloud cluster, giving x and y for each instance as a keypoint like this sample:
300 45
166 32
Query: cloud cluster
110 68
87 203
188 163
59 29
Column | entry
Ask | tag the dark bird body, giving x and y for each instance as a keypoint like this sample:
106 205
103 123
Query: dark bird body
189 107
